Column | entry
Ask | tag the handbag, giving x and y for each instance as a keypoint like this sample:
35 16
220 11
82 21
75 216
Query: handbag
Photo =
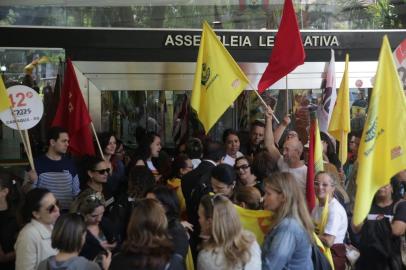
403 249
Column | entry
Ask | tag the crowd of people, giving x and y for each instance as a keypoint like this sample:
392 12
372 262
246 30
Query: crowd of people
149 210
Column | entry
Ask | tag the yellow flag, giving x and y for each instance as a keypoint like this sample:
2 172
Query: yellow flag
339 126
256 221
324 250
218 80
381 152
4 100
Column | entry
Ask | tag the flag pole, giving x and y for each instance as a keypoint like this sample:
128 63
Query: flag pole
263 101
29 152
30 160
287 94
97 140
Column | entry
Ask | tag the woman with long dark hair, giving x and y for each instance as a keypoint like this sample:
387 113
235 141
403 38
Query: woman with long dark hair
33 245
149 148
116 179
148 245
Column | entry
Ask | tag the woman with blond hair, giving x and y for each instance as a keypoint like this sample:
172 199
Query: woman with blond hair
331 223
225 244
288 245
148 244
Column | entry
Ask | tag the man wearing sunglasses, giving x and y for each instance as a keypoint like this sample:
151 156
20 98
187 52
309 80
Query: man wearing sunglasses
55 171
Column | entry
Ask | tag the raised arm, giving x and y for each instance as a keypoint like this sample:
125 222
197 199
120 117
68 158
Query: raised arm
269 139
281 128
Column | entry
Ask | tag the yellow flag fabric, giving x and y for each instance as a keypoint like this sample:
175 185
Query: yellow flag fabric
320 231
218 80
381 152
318 151
339 126
256 221
4 100
324 250
175 184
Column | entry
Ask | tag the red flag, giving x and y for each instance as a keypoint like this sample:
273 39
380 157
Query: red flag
72 114
310 194
288 52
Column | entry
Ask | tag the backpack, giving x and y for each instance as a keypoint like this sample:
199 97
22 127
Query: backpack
320 261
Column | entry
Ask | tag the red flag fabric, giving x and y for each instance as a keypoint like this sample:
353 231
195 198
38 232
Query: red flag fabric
288 52
310 193
72 114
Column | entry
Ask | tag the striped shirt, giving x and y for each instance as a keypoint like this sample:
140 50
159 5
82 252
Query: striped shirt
60 177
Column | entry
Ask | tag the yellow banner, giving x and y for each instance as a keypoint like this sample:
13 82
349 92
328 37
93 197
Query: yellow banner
256 221
381 152
218 80
4 100
340 125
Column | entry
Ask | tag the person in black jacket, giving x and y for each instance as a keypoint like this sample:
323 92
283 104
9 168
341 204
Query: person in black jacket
196 183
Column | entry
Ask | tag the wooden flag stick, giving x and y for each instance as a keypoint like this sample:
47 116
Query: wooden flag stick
263 101
29 152
22 139
97 140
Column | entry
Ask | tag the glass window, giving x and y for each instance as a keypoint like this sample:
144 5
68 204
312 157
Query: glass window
246 14
38 69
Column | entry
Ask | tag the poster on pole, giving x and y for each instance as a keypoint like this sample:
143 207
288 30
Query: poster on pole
399 56
27 106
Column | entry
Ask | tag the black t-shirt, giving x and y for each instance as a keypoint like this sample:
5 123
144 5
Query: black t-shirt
400 212
377 210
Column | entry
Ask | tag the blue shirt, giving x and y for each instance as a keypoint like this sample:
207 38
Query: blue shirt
60 177
287 246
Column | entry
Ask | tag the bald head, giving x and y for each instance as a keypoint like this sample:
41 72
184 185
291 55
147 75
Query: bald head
292 150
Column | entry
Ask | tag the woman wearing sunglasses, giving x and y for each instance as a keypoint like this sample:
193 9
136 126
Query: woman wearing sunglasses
100 235
116 176
97 173
39 212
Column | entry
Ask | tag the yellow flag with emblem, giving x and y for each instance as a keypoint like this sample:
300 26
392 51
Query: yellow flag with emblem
4 100
218 80
256 221
381 153
339 126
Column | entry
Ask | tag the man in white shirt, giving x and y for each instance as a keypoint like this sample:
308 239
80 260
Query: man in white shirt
290 160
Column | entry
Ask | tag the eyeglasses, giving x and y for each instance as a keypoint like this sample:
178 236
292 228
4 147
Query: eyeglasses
53 207
244 167
318 184
102 171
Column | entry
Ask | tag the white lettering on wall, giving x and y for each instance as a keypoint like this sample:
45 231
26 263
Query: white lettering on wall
180 40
